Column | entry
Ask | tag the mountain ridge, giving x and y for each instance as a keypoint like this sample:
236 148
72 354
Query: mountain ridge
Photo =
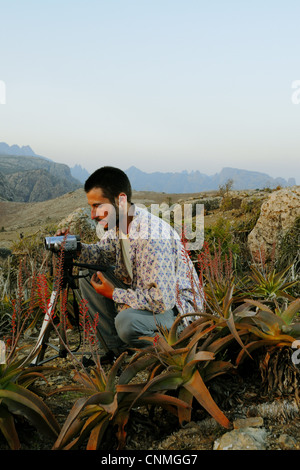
168 182
184 182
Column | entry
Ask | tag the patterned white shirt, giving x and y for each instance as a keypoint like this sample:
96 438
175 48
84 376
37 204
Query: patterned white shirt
163 275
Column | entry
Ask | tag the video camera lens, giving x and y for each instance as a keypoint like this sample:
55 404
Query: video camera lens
70 243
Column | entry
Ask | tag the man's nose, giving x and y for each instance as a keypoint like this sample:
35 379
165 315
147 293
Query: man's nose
93 213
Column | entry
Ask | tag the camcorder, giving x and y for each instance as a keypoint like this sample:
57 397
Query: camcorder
69 243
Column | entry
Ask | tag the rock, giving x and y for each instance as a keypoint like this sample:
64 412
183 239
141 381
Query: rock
79 222
236 202
247 438
287 442
255 421
5 253
278 214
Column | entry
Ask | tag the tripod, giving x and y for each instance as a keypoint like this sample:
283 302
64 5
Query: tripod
67 282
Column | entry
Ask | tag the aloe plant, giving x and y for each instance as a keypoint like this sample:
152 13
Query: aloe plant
17 399
270 284
105 405
180 362
268 327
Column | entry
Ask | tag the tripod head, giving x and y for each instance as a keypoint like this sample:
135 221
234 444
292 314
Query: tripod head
69 247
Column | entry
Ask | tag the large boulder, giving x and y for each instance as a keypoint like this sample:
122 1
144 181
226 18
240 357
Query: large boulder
278 214
79 222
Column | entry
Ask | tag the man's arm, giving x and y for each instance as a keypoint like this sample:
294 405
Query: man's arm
102 252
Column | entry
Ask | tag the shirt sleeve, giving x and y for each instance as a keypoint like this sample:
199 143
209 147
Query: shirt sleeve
156 279
102 252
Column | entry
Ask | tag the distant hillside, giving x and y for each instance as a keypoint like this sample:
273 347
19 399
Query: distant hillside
24 151
80 173
33 179
28 177
184 182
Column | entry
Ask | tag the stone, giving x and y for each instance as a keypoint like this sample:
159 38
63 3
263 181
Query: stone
242 439
278 214
255 421
287 442
78 216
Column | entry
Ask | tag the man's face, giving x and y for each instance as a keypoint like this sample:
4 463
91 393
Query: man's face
102 210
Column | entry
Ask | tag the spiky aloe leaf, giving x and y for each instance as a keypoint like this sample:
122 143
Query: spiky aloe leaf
227 301
252 347
121 421
243 310
290 312
200 333
185 414
216 344
110 384
132 369
234 332
87 382
68 440
172 336
97 434
87 428
162 382
103 400
98 377
292 330
274 337
18 399
192 328
74 422
162 400
270 323
7 427
215 368
258 304
189 368
272 283
198 389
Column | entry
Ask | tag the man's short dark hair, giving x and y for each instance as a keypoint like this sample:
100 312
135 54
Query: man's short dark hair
111 180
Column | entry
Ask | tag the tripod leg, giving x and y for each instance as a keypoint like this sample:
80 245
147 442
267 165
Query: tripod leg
63 323
45 330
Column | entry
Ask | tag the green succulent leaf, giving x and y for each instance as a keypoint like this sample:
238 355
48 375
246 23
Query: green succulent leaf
198 389
18 399
7 427
290 312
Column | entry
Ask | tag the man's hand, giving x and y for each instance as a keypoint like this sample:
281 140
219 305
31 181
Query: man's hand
102 285
61 232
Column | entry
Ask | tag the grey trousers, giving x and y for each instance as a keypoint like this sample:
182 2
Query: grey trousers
121 330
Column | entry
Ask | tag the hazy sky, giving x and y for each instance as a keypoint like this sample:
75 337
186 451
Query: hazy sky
165 85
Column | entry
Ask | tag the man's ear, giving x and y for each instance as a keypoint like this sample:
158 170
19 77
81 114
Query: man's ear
122 200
